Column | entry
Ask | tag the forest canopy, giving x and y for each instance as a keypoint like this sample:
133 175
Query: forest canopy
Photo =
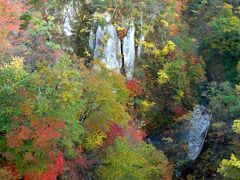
113 89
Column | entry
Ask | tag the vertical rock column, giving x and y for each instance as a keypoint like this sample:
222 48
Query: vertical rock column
69 15
104 42
107 46
129 51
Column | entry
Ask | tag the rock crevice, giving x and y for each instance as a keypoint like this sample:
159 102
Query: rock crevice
115 52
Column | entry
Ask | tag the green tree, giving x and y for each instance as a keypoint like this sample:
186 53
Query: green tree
12 78
125 160
231 168
215 24
105 96
223 101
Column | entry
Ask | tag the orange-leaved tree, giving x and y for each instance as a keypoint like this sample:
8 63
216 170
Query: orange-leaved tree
32 144
10 12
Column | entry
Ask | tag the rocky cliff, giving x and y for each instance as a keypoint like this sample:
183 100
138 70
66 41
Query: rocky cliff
117 53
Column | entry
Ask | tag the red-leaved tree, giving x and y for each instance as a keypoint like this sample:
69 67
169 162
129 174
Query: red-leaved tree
134 88
10 12
39 135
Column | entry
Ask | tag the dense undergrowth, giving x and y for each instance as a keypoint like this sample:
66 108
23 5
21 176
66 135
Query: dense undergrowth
65 115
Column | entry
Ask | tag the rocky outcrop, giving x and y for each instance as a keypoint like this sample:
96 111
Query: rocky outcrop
106 45
182 142
116 53
68 14
199 126
92 40
129 51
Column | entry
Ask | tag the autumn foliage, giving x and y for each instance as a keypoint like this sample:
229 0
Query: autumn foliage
133 87
114 132
10 12
40 135
135 134
59 118
179 111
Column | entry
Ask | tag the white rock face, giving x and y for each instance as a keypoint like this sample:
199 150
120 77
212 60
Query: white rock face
69 15
92 40
108 47
199 126
129 51
105 43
